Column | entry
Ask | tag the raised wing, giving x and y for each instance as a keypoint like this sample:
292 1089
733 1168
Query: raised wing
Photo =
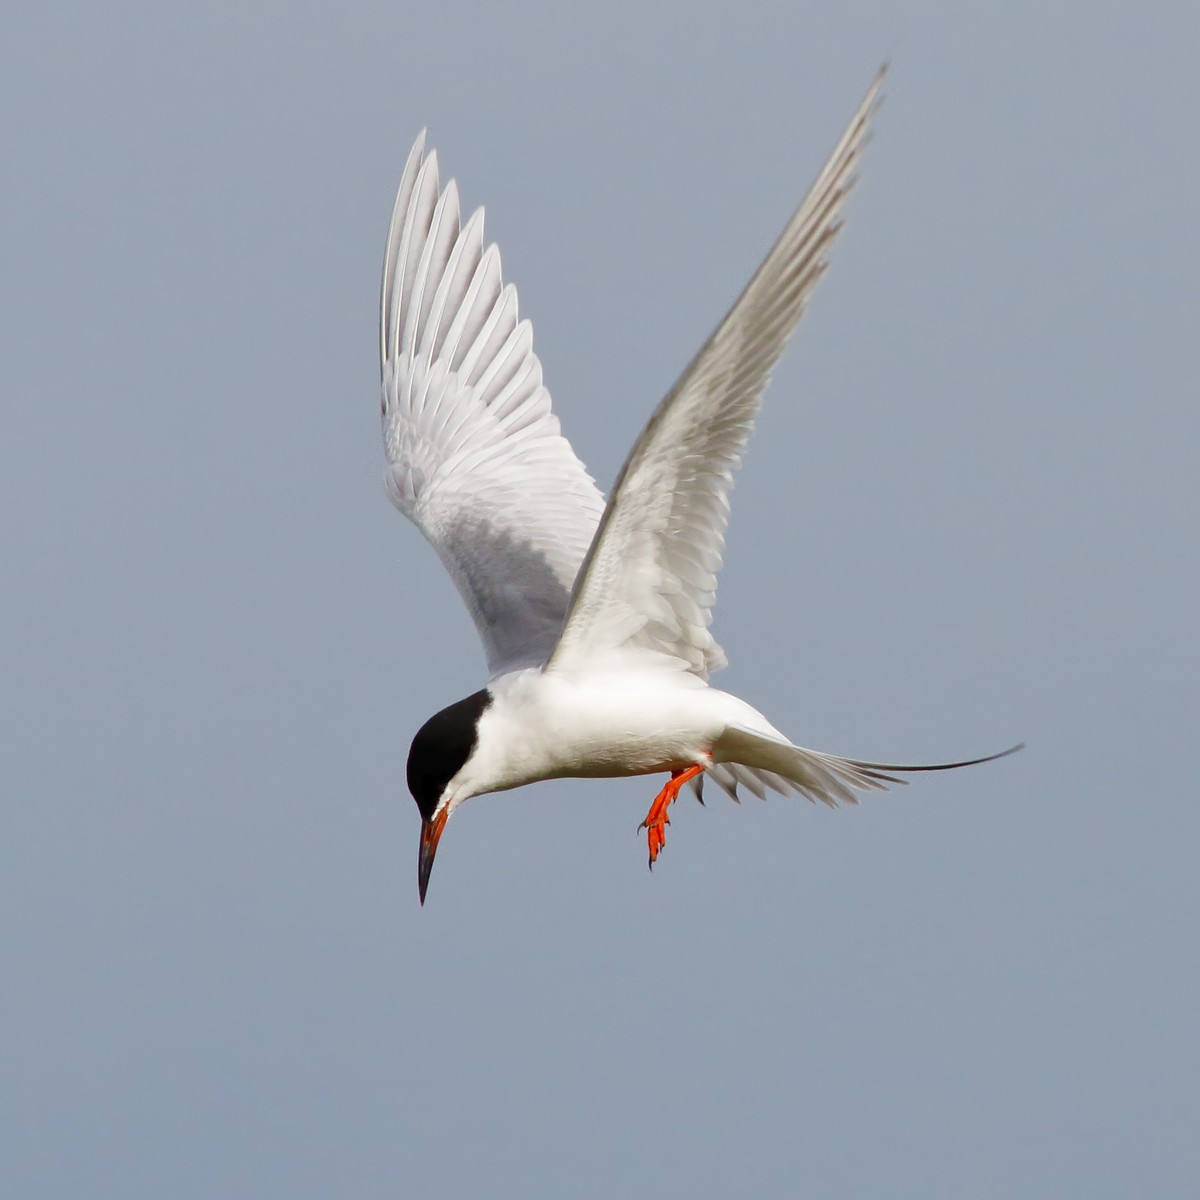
650 579
475 456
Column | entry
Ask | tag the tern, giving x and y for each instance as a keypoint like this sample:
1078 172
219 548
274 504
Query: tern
594 616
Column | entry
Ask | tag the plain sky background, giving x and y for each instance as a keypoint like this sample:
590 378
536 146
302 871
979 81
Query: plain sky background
969 517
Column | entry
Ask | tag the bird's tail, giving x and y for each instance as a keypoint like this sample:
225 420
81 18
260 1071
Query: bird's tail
748 759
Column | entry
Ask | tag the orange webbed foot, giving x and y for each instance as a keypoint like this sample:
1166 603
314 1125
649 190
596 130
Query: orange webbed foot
656 821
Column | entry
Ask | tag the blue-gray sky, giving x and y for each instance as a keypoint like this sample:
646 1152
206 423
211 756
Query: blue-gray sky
968 518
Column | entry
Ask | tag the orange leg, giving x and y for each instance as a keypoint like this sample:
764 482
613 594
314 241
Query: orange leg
656 821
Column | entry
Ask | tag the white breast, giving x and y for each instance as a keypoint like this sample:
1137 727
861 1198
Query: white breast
546 725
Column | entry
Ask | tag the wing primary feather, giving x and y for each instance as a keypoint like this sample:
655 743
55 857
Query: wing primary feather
475 455
475 304
416 228
447 283
387 316
669 508
490 336
455 287
433 270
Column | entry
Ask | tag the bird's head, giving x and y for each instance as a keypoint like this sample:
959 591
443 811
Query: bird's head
442 746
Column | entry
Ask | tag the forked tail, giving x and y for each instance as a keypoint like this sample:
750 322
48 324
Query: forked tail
758 763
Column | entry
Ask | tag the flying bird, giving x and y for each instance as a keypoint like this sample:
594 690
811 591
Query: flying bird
594 616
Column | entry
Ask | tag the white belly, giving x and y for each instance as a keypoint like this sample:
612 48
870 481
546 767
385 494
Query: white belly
548 726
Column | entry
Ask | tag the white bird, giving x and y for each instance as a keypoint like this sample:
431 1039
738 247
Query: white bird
594 617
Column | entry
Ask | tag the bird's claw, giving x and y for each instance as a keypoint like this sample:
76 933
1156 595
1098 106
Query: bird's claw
656 836
656 821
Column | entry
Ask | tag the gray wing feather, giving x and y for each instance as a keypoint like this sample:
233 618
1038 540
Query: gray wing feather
650 578
475 456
